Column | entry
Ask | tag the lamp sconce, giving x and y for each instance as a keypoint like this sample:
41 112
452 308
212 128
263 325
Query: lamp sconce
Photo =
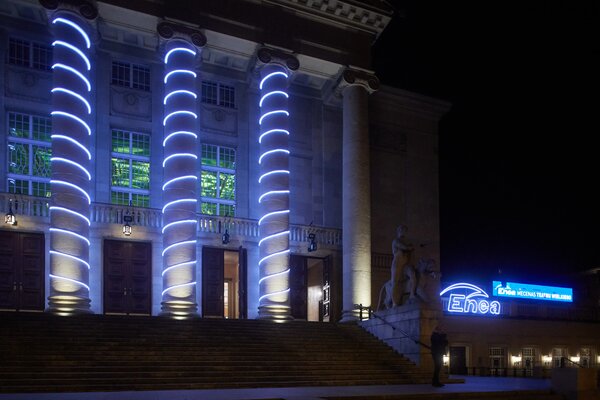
225 237
127 229
446 359
312 244
515 359
575 359
10 218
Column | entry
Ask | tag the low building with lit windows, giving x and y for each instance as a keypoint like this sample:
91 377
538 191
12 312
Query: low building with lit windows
228 158
522 329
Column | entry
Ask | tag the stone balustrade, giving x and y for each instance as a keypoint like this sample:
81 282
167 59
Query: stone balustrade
102 213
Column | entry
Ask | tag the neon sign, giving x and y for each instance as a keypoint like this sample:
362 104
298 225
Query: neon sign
466 298
532 292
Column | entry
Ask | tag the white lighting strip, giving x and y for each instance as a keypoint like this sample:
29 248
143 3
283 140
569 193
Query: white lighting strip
75 118
77 235
272 193
271 75
69 280
76 50
56 208
179 178
273 236
172 203
59 182
261 137
183 264
77 27
58 253
174 245
174 92
174 113
264 296
279 253
270 152
274 172
178 286
77 96
287 271
73 163
171 135
272 113
74 71
184 49
271 214
175 155
275 92
183 221
179 71
75 142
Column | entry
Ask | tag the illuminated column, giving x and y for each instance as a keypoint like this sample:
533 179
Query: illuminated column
356 208
71 160
180 174
274 225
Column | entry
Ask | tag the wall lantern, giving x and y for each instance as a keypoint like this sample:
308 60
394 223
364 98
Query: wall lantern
225 237
127 229
312 244
10 218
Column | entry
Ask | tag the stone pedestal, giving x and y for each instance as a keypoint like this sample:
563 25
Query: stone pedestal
408 327
576 383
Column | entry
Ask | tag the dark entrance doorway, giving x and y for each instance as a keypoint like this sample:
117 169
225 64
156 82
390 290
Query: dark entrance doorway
310 293
21 271
224 283
127 277
458 360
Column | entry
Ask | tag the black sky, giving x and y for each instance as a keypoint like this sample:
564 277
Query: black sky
519 164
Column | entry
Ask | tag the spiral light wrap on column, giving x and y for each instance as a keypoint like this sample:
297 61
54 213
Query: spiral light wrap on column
179 184
274 226
71 160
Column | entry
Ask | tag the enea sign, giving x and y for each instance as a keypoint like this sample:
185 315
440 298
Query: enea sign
532 292
465 298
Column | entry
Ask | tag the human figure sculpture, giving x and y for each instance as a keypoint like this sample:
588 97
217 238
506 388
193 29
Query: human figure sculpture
402 270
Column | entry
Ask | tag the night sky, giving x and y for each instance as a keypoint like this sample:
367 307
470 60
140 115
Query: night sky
519 164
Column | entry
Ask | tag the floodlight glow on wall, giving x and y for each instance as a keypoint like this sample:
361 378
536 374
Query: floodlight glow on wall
274 228
180 179
70 161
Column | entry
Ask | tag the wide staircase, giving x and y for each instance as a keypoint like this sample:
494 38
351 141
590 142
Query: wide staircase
41 352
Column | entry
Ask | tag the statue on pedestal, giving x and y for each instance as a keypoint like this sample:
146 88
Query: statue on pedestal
409 283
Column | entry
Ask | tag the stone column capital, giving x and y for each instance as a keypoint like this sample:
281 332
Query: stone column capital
82 7
268 55
357 77
171 31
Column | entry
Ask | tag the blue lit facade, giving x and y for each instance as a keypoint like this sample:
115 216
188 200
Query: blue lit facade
190 130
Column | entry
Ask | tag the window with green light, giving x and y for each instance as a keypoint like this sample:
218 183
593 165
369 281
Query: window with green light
218 180
130 163
29 152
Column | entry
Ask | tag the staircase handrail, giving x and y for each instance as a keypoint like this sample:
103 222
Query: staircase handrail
406 335
563 359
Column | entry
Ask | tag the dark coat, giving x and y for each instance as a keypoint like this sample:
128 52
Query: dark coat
439 343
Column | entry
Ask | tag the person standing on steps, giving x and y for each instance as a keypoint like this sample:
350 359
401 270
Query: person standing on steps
439 345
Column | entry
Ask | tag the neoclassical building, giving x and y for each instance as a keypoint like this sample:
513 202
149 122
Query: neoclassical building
228 158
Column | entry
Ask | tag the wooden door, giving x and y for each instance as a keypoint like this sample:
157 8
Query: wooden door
127 277
298 287
21 271
458 360
213 265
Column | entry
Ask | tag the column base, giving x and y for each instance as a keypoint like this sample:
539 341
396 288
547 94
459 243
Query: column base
68 305
275 313
179 309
